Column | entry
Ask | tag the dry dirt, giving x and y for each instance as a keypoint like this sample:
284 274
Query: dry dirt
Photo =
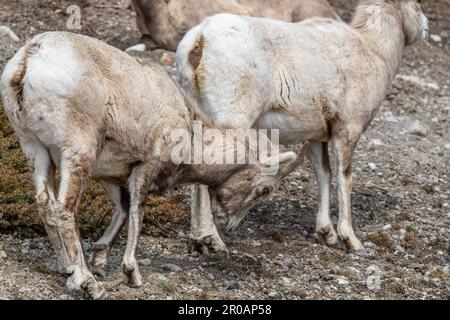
401 198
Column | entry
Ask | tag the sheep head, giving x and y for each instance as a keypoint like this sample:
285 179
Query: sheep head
232 200
415 24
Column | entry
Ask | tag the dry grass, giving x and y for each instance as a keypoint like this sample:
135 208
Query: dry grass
380 239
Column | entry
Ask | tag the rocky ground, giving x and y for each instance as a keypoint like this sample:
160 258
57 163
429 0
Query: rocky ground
401 198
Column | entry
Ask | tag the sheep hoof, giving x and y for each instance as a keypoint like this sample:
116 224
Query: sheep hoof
131 276
210 245
98 260
99 271
354 245
132 279
82 279
93 290
327 235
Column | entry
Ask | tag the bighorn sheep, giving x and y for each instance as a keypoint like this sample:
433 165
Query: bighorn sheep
93 111
319 80
163 23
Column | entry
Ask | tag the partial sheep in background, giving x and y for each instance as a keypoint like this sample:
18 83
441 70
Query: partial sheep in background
164 23
91 110
320 80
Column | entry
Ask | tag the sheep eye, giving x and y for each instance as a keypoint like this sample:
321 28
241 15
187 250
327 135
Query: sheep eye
265 192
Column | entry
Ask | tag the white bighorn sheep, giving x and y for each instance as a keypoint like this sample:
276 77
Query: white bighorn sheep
320 81
91 110
163 23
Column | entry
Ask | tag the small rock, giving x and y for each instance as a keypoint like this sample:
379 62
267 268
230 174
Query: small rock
433 85
336 270
418 129
137 48
145 262
354 270
387 227
343 281
162 277
285 281
390 117
419 81
399 249
436 282
3 296
436 38
3 254
166 59
372 166
171 267
376 143
7 32
231 285
447 146
272 294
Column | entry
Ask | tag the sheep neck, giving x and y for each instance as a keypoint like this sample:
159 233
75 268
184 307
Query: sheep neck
201 169
382 28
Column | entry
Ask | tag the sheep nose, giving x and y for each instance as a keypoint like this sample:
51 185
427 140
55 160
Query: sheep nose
426 29
425 34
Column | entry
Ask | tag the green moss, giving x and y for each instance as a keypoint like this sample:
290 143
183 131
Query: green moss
167 287
429 189
404 216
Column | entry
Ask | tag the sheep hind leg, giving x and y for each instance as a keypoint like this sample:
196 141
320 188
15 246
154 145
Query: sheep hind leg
204 235
344 145
43 169
75 169
101 249
318 155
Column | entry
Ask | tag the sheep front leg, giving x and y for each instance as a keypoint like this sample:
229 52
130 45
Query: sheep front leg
344 145
138 186
74 178
101 249
204 234
318 155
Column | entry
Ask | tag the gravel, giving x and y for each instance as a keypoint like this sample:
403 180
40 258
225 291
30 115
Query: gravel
408 190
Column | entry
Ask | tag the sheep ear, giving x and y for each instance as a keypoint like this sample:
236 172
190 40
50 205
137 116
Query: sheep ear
412 23
282 158
287 157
